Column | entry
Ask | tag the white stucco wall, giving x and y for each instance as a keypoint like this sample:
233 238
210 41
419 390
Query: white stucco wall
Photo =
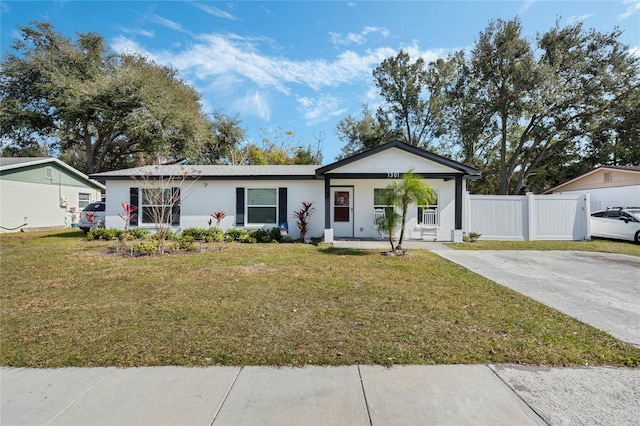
363 207
393 160
203 197
39 204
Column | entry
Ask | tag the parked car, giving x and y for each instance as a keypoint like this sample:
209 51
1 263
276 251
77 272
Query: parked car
620 223
92 216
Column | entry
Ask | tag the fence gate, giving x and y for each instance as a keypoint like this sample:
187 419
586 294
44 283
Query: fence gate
529 217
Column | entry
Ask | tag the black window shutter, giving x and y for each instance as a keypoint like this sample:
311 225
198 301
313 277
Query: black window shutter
175 209
133 202
282 205
239 206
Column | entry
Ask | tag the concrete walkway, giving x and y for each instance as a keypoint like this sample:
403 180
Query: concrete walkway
349 395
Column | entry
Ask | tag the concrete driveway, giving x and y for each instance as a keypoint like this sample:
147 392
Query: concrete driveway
600 289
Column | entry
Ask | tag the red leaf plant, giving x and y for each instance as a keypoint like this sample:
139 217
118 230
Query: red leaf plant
129 213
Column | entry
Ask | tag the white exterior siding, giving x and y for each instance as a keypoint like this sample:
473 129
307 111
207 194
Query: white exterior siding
363 207
201 198
345 186
392 160
40 204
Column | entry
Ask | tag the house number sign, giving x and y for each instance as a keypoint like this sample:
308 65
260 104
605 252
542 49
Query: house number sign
393 175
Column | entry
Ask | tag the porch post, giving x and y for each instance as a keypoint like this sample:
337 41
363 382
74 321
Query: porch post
328 232
456 233
458 202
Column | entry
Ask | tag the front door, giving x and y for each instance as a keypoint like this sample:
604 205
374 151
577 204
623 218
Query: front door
342 211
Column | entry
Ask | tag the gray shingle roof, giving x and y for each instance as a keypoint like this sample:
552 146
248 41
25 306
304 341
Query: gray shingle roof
210 171
11 162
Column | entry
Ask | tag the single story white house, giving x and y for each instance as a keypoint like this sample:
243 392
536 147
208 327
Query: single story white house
607 186
345 194
42 193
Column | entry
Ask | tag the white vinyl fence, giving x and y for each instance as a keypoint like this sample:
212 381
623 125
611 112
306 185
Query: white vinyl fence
529 217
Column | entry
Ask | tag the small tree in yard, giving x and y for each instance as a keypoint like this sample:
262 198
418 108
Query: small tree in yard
303 216
388 224
160 198
412 189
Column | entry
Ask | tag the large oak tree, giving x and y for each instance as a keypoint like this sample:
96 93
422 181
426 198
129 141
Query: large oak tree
106 110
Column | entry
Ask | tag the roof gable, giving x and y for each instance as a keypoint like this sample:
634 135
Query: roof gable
588 180
396 156
14 164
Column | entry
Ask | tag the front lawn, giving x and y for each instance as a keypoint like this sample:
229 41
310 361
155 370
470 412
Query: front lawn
70 302
599 245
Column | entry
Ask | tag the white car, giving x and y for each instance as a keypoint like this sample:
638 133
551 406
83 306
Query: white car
92 216
620 223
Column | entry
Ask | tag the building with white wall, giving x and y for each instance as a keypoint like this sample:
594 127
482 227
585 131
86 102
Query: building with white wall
42 192
608 186
343 193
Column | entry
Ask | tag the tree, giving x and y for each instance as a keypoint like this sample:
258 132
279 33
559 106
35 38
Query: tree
359 135
281 147
223 147
77 97
540 105
388 223
411 189
160 199
406 89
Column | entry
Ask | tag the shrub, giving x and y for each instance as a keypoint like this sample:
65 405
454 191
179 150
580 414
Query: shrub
248 239
186 242
103 233
261 235
276 234
471 237
146 248
198 234
235 234
139 233
214 235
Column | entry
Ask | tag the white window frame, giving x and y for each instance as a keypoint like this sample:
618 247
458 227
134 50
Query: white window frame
384 207
274 206
143 205
429 207
83 203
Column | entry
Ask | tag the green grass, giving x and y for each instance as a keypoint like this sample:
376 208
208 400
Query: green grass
605 246
69 302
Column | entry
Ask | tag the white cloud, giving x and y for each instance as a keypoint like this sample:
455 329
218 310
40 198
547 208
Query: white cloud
226 64
635 51
581 18
634 6
357 38
168 23
321 109
138 31
215 11
253 104
526 6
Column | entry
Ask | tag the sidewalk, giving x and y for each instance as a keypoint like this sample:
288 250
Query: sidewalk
348 395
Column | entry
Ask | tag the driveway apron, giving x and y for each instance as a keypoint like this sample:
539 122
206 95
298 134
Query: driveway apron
600 289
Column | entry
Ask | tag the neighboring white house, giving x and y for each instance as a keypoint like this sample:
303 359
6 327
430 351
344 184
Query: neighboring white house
608 186
345 194
42 192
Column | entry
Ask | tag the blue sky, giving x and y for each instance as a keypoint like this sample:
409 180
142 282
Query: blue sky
300 66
